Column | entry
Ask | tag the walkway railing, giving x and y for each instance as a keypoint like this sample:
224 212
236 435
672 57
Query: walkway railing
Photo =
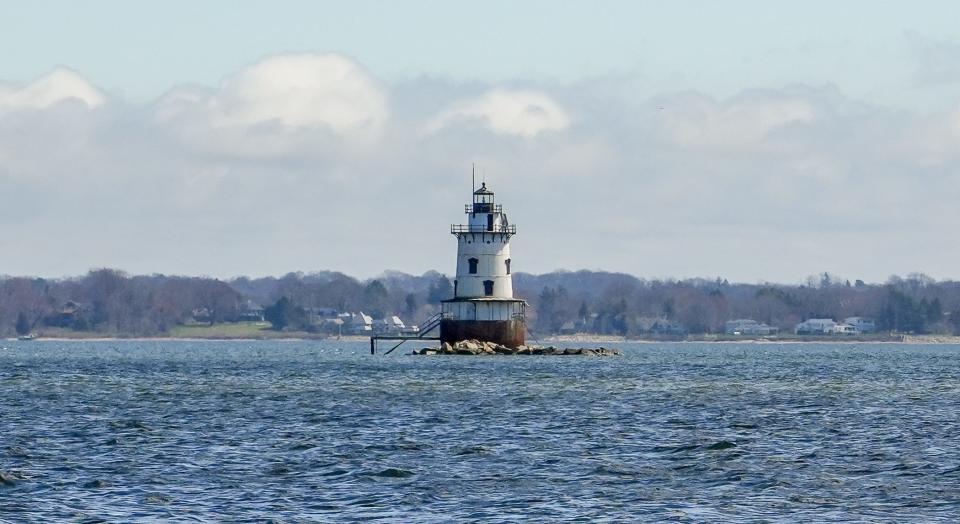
457 229
483 208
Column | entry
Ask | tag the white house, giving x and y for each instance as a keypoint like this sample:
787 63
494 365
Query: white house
863 325
845 329
390 324
816 326
361 324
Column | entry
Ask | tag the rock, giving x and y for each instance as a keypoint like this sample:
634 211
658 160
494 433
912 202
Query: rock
9 478
395 473
722 445
607 352
477 347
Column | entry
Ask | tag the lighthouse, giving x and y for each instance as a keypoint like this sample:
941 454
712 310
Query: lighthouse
483 307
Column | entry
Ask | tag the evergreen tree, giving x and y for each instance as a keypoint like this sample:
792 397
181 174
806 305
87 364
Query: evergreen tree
284 313
440 289
411 305
375 297
22 325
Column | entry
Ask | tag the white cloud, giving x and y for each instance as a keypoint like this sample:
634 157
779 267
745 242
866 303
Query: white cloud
746 122
934 140
280 104
296 161
510 112
59 85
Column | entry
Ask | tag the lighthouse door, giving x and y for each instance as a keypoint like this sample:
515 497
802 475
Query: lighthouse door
489 222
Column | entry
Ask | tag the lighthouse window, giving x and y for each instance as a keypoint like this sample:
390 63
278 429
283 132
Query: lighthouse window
488 287
473 265
508 266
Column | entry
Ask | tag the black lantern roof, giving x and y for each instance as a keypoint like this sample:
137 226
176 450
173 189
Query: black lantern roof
483 190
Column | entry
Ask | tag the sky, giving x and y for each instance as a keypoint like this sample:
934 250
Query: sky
747 140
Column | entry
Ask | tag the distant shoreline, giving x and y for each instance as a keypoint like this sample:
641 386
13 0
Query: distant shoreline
560 339
61 338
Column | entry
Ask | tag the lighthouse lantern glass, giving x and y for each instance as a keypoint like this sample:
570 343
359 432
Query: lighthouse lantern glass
483 200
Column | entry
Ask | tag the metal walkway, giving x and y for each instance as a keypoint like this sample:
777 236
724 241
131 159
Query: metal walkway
420 334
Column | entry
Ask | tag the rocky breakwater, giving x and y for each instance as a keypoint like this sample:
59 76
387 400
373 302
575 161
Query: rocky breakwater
477 347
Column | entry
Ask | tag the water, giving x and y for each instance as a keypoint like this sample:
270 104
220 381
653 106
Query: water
322 431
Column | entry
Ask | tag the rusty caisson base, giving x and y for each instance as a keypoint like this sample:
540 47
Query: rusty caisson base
510 333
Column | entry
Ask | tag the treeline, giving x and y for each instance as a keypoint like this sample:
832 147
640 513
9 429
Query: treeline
111 302
620 304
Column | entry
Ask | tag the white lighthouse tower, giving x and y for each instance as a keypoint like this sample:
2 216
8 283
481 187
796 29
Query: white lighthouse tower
483 306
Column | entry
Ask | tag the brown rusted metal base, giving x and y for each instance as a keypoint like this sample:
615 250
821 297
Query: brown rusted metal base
510 333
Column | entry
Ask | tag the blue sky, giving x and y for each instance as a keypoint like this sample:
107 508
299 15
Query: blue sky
140 49
748 140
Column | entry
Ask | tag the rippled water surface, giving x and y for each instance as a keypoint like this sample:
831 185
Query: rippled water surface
322 431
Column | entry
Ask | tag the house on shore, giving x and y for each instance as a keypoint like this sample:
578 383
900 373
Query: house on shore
862 325
390 325
828 326
816 326
660 326
250 311
749 327
845 329
360 324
